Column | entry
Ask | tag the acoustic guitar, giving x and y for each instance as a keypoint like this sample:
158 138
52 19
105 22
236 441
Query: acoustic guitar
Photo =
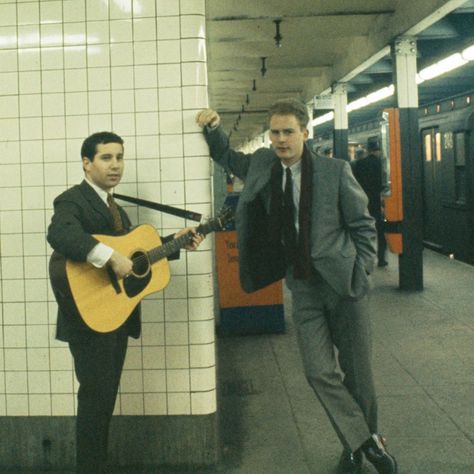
103 301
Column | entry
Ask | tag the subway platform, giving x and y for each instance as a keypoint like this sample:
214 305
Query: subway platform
272 423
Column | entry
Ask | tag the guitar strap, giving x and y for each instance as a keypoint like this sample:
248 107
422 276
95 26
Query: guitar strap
175 211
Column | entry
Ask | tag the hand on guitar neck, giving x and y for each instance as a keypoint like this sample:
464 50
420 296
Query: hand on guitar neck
196 239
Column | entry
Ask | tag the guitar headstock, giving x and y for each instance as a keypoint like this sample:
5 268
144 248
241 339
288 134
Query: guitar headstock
225 217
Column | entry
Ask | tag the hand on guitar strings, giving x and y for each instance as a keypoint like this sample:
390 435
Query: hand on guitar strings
196 239
121 265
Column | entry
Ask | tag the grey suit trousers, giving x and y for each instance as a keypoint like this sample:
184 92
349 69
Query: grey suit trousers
334 339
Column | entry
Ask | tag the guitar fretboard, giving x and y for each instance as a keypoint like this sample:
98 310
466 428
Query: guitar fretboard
171 247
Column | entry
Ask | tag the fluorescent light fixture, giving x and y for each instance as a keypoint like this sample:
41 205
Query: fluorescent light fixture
323 119
441 67
468 53
419 79
381 94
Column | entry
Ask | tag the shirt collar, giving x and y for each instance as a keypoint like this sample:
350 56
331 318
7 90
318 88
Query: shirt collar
295 167
101 192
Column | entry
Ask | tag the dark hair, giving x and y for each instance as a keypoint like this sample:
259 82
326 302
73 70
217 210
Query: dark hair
290 107
89 145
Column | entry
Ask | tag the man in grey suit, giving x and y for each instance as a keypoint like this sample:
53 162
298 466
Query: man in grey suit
304 217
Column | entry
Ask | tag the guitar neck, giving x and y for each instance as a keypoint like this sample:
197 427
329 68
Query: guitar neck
174 245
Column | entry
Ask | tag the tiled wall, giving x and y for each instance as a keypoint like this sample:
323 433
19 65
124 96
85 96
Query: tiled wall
67 69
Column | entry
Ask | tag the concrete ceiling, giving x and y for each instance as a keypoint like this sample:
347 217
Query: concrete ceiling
322 42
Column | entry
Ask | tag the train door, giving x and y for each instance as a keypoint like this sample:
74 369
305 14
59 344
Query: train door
432 211
469 175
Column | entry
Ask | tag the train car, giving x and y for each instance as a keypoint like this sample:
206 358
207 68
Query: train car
447 149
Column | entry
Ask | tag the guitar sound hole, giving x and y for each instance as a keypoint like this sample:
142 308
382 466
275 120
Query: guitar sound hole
141 265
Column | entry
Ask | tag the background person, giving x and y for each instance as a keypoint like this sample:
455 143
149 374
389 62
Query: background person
369 173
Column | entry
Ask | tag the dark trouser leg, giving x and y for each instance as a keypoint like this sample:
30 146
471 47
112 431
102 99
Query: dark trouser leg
314 303
98 365
381 241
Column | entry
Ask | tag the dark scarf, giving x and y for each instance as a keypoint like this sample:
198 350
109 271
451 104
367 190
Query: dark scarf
303 264
302 258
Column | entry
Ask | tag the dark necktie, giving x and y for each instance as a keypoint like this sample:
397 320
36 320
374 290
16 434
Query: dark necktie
289 230
117 220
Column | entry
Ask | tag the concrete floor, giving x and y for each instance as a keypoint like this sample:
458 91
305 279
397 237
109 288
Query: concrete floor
271 421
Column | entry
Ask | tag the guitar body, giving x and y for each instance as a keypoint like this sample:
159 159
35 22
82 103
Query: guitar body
104 302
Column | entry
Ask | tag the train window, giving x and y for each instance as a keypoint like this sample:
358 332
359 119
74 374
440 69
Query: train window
428 156
438 146
459 149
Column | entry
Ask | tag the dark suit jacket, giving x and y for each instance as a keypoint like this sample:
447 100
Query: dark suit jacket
342 231
78 213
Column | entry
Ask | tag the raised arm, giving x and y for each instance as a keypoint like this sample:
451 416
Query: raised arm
234 162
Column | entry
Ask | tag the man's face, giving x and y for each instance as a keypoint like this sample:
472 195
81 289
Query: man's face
106 169
287 138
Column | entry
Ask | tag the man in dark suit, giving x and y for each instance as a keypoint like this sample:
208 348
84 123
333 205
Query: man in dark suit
79 212
305 217
369 173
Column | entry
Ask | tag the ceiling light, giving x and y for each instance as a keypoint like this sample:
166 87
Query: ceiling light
441 67
468 53
323 119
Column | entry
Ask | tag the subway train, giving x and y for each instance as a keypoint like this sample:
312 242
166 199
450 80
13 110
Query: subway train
446 137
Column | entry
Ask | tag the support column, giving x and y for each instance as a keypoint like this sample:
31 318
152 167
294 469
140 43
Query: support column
411 261
341 142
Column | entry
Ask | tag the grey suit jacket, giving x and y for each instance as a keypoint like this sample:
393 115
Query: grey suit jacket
343 233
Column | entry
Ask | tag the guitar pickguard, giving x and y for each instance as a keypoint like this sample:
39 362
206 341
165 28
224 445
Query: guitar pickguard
135 285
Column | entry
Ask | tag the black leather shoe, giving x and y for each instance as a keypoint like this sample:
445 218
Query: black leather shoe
382 263
375 452
350 463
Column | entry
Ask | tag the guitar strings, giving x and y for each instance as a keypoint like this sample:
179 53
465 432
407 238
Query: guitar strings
144 257
203 228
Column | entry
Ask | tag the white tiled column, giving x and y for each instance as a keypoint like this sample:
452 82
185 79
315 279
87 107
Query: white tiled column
68 69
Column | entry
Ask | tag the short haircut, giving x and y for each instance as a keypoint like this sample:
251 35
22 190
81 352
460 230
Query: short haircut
290 107
89 145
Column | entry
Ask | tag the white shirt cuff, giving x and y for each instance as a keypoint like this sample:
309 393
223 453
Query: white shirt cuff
100 255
